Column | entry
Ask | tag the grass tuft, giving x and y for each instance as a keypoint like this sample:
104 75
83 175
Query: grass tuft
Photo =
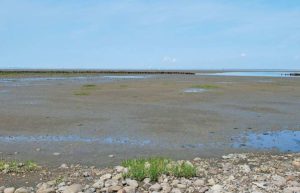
14 166
88 86
205 86
81 93
152 168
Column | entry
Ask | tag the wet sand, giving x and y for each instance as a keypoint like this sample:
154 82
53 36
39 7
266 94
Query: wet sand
141 116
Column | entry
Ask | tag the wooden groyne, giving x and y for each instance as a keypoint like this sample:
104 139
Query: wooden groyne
294 74
93 72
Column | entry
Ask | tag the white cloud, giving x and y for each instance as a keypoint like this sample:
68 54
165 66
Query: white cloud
168 59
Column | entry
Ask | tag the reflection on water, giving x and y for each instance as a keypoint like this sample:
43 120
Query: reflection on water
284 141
194 90
73 138
262 74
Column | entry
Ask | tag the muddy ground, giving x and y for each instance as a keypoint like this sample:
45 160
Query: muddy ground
84 120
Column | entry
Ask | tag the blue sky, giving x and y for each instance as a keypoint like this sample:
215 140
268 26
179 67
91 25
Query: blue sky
150 34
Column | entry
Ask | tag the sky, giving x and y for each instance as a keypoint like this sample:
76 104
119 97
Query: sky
150 34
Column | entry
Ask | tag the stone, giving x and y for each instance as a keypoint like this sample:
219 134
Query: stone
64 166
129 189
181 186
98 184
111 156
211 182
2 189
278 180
155 187
114 188
296 163
176 190
46 190
199 182
9 190
56 153
216 188
74 188
111 182
291 190
105 177
147 180
22 190
245 168
132 183
119 169
121 191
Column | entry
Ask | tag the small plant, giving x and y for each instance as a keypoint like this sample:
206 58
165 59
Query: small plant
152 168
88 86
205 86
81 93
123 86
14 166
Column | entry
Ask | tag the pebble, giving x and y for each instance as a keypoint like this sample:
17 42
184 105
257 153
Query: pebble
132 183
9 190
155 187
56 153
74 188
22 190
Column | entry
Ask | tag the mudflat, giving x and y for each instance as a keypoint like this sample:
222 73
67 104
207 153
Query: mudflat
102 120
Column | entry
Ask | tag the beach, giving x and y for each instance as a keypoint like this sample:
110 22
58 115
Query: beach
104 119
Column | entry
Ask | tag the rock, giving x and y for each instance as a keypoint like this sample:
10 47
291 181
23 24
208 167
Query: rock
46 190
147 180
155 187
74 188
111 156
64 166
217 188
38 149
117 177
114 188
9 190
2 189
119 169
211 182
22 190
121 191
129 189
99 184
296 163
199 182
111 182
176 190
132 183
105 177
291 190
278 180
245 168
181 186
204 189
56 153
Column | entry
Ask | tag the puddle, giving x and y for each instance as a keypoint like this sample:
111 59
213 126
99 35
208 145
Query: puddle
284 141
194 90
73 138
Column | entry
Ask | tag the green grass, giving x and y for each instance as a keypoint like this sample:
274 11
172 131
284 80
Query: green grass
123 86
205 86
17 167
152 168
88 86
81 93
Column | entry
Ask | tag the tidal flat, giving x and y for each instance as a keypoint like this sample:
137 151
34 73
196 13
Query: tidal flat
86 118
